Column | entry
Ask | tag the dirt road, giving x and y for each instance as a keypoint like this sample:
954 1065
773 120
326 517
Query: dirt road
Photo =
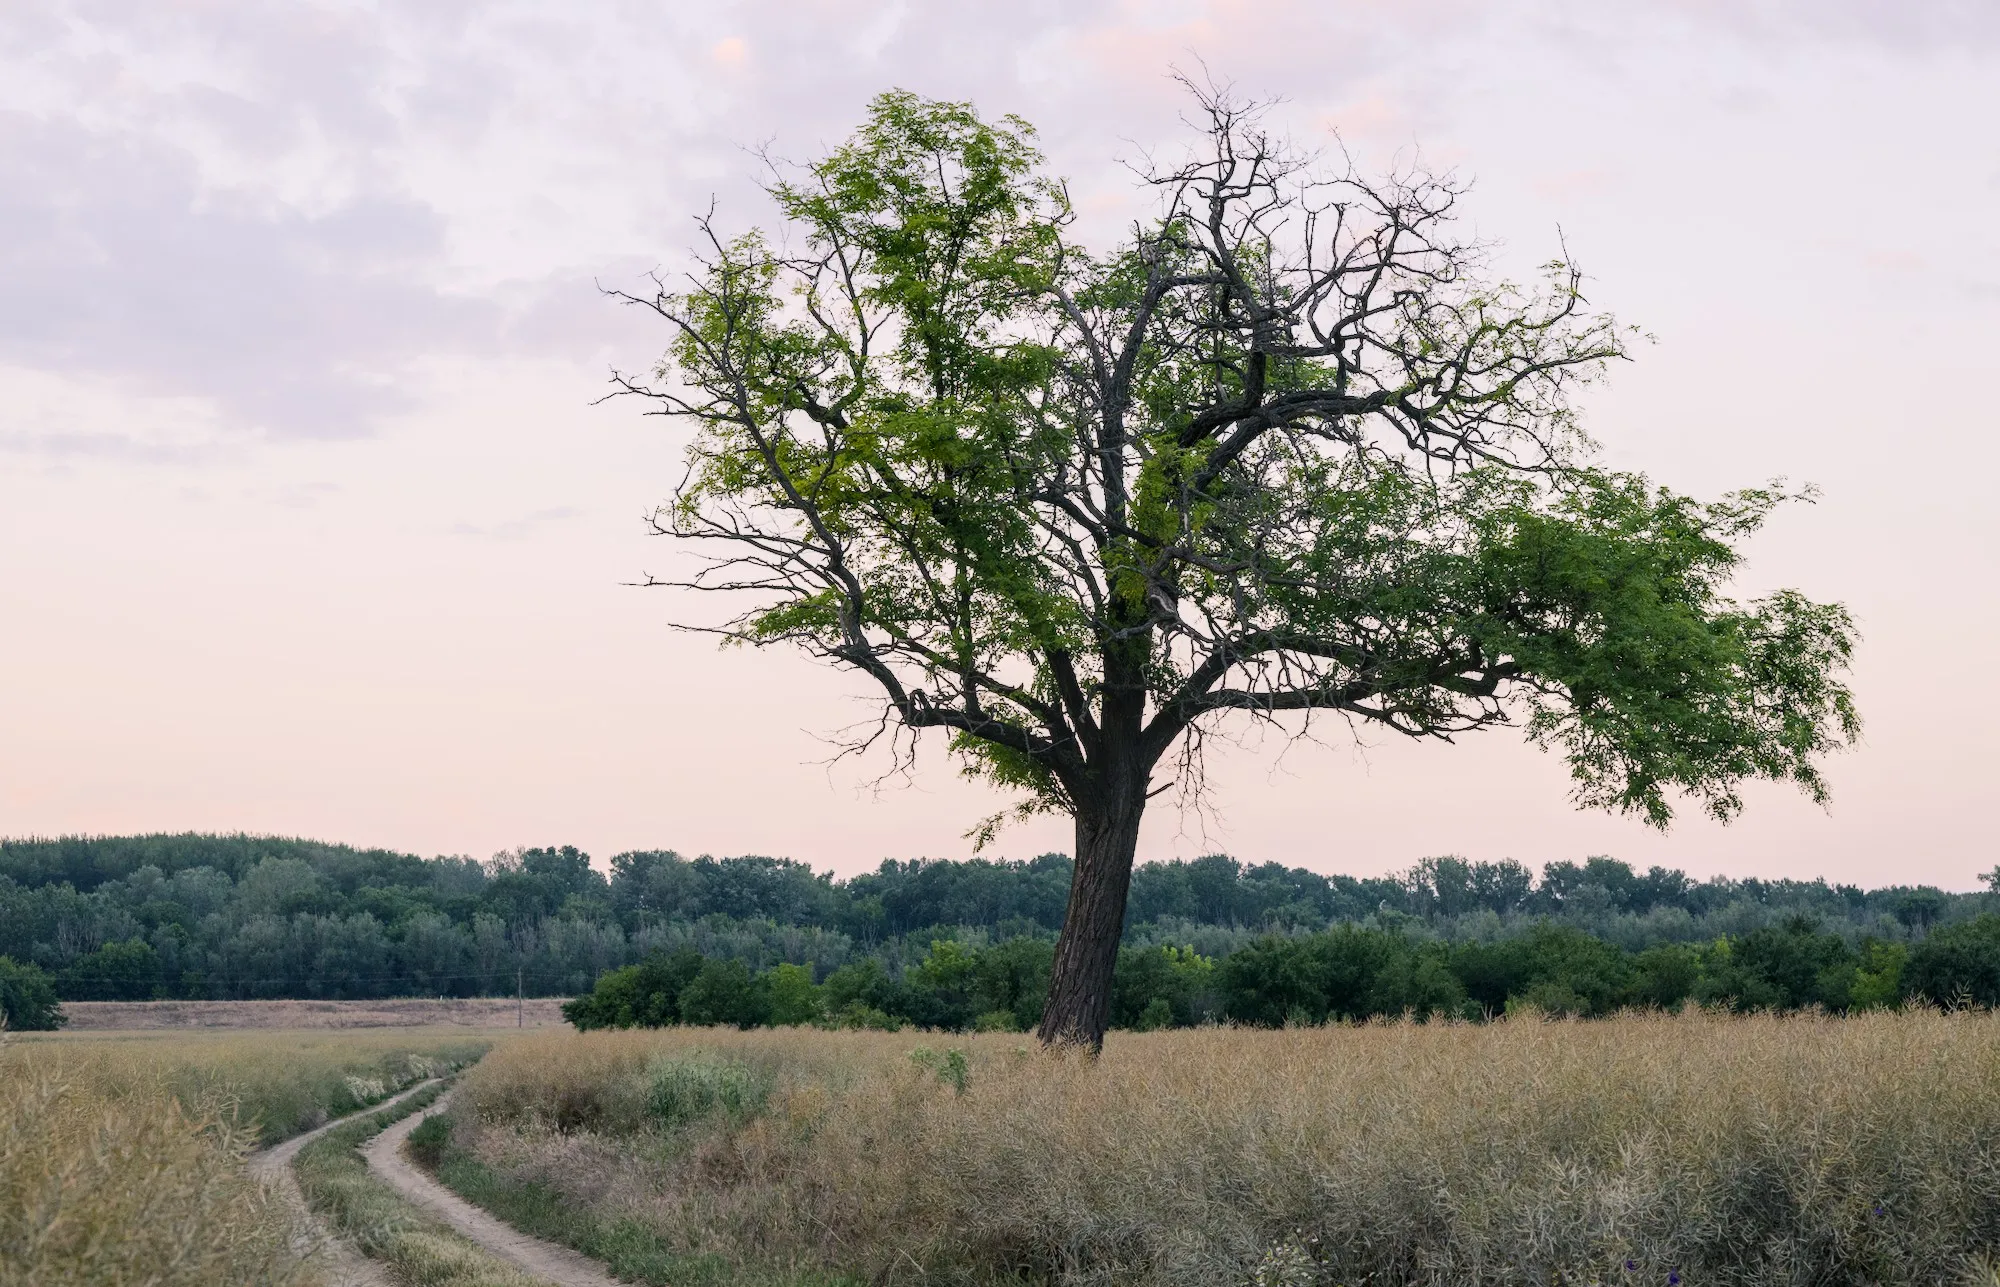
346 1267
559 1265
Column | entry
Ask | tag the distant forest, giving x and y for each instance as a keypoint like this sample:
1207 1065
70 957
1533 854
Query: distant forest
203 916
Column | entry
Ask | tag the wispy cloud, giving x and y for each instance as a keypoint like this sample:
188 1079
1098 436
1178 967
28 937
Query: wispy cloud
516 529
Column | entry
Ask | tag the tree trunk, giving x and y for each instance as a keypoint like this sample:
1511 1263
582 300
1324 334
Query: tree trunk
1079 1004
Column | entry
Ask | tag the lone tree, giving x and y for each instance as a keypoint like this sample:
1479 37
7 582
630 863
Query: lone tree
1288 450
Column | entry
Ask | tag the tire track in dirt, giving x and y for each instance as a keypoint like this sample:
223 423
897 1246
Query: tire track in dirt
345 1265
559 1265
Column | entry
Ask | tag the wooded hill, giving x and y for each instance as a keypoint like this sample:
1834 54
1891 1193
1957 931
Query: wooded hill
248 916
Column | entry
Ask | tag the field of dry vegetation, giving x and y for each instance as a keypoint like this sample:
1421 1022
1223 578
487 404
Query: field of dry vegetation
1644 1149
122 1156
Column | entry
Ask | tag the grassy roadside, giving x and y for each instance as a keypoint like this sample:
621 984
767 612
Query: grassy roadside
273 1084
419 1250
629 1248
122 1155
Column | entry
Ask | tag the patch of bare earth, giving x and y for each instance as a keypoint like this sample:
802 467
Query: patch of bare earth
396 1012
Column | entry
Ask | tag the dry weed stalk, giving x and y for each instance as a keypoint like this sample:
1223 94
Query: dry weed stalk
109 1184
1739 1150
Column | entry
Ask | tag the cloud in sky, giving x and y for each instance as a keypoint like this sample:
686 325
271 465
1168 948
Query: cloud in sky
283 208
299 329
115 262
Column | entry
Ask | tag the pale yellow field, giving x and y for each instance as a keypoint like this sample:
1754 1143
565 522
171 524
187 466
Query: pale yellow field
1741 1150
121 1157
392 1012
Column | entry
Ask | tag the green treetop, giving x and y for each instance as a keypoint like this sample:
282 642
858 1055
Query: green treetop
1288 451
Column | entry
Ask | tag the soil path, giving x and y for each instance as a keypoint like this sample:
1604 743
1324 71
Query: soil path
346 1267
559 1265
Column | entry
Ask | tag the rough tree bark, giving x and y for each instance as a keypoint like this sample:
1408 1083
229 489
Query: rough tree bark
1107 840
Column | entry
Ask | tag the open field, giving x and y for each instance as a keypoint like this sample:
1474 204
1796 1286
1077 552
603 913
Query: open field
1642 1149
122 1160
398 1012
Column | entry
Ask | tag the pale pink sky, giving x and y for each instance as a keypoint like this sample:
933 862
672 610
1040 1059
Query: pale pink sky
307 525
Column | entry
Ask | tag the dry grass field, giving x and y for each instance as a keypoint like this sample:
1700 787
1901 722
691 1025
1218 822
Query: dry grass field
1639 1150
396 1012
121 1158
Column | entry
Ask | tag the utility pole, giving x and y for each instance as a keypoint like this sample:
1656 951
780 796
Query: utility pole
520 1006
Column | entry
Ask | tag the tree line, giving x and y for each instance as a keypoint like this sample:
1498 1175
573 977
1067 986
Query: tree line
224 917
1351 972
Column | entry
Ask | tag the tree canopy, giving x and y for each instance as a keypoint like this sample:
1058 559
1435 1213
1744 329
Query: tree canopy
1291 449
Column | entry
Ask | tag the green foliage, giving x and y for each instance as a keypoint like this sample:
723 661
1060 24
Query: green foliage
170 924
1785 967
1578 938
1351 972
1006 477
1346 973
997 1021
862 984
1012 978
1652 680
683 1093
646 995
27 999
949 1065
127 971
1958 964
1665 976
426 1143
795 999
725 992
1552 968
1162 987
1878 977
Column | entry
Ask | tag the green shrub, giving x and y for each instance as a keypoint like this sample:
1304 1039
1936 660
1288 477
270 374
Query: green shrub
127 971
1014 976
725 992
794 998
1158 1014
857 1015
684 1092
1780 967
1178 981
1959 963
1665 976
1271 980
646 995
861 986
997 1021
28 999
1551 968
427 1142
950 1066
1878 982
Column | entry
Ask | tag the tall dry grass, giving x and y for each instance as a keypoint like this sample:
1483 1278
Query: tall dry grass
127 1183
122 1160
1721 1150
275 1083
